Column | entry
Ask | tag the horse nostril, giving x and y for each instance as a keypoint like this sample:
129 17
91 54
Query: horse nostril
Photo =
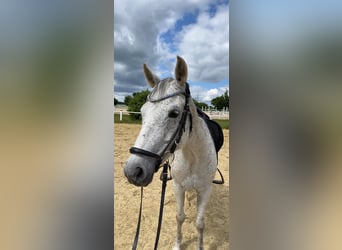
139 172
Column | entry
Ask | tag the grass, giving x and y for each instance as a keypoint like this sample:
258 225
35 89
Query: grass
223 123
125 119
128 119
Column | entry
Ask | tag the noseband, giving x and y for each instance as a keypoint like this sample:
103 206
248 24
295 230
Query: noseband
177 135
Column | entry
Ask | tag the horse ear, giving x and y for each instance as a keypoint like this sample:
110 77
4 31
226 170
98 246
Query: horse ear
151 78
181 71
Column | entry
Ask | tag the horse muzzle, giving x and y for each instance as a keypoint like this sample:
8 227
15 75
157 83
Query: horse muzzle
138 172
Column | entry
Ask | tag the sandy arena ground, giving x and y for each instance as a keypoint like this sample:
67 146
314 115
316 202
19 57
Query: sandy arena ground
127 199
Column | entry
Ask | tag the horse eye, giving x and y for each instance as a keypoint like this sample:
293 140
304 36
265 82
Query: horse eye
173 113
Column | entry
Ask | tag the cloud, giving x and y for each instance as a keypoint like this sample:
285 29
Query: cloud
206 95
205 45
138 28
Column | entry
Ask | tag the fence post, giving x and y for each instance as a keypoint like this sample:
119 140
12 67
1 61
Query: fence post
120 115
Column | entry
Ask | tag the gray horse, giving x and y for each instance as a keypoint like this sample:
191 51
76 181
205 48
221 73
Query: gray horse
195 159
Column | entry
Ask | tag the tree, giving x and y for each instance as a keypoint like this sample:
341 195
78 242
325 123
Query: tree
222 101
135 102
116 101
226 99
200 104
127 99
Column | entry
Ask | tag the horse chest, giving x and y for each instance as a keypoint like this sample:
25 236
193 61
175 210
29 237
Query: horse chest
192 176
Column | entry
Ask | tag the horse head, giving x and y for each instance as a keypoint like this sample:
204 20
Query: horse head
164 117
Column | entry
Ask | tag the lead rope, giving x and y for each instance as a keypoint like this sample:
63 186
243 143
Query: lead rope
136 238
162 198
160 219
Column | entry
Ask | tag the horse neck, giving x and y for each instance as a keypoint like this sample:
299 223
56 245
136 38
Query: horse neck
195 145
196 134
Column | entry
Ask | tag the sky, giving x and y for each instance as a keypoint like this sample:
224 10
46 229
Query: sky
155 32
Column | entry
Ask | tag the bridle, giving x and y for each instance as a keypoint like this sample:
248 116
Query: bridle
177 135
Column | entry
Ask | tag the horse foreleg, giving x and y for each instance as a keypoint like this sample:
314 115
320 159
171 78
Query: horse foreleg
202 199
180 214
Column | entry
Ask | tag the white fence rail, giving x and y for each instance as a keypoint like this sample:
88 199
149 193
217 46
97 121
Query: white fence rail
213 114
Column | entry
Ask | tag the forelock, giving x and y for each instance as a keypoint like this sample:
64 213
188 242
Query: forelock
161 88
